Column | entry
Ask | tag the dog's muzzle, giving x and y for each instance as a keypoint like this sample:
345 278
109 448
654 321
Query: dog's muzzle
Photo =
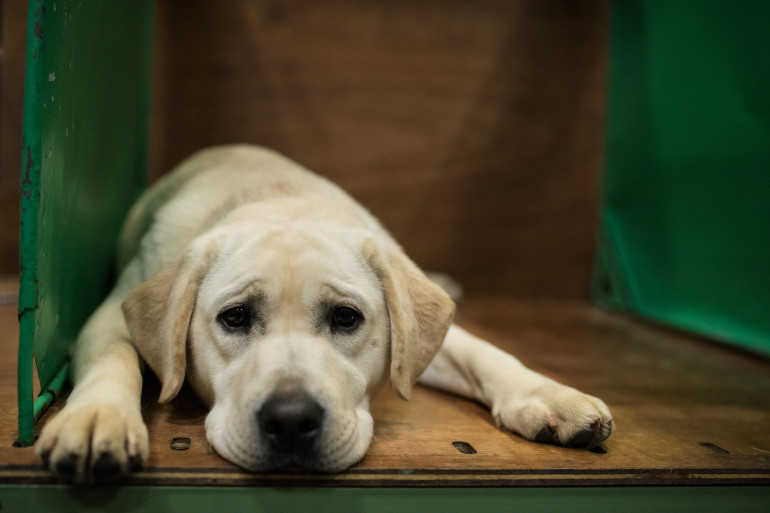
290 421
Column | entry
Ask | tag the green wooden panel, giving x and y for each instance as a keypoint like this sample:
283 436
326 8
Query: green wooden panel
685 236
64 499
84 162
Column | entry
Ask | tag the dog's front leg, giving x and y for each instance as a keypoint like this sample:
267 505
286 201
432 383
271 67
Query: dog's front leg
100 434
521 400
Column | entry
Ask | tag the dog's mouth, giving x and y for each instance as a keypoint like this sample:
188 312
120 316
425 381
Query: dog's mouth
316 459
291 431
306 461
326 454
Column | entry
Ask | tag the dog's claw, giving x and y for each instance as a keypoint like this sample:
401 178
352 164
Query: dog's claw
46 457
106 467
582 438
67 467
135 463
546 436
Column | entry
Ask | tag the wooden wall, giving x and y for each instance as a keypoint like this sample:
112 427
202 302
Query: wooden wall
13 27
472 129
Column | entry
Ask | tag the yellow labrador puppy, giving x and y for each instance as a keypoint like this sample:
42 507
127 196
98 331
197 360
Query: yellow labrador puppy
286 306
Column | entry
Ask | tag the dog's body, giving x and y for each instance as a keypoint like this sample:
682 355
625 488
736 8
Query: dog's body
286 306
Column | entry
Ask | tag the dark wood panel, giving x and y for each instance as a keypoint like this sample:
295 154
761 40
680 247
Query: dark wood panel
472 129
687 412
13 29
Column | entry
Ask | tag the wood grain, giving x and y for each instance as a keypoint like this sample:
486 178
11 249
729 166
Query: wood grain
473 130
13 31
687 412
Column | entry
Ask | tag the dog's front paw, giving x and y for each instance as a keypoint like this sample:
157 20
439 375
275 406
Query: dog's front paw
88 443
556 414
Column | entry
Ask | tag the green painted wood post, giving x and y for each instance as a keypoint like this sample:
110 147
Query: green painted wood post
86 108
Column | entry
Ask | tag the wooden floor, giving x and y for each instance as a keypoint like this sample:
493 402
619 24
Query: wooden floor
687 412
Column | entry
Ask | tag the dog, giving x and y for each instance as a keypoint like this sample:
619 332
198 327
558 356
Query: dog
286 306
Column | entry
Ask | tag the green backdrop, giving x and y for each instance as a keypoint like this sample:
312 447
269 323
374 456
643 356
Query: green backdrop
685 234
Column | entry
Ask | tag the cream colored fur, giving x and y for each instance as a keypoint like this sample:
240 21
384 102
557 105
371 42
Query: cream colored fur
241 225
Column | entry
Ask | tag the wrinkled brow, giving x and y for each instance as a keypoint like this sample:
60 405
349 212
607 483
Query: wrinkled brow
333 292
248 286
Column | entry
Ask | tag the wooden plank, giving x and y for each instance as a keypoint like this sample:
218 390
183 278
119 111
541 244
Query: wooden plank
688 412
473 130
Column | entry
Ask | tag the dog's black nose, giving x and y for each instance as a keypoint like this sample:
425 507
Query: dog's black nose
290 420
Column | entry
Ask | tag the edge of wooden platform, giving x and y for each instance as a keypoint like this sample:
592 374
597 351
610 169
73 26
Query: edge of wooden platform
167 476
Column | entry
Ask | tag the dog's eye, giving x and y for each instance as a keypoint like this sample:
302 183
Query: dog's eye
236 318
346 319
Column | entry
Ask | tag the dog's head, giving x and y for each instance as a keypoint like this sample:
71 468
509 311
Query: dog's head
287 335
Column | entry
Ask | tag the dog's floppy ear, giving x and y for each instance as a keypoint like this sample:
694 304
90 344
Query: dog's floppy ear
158 314
420 314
